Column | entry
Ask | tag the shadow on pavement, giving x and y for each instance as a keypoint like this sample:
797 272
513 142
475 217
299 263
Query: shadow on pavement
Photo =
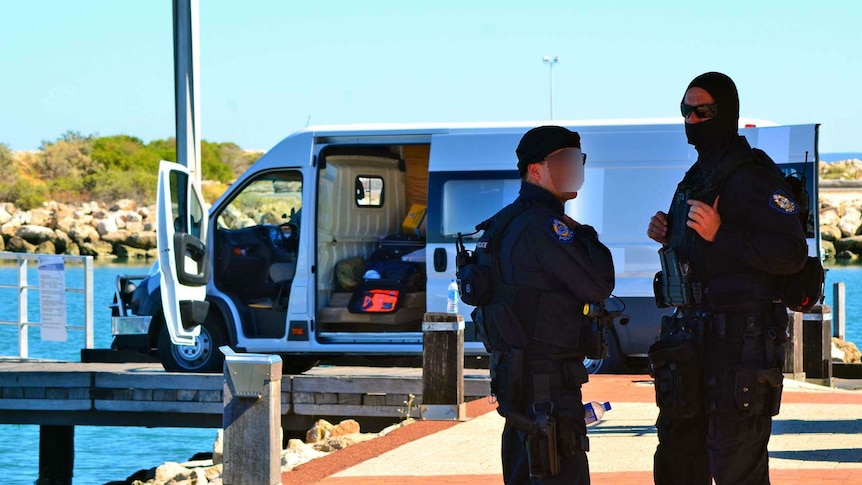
840 455
798 426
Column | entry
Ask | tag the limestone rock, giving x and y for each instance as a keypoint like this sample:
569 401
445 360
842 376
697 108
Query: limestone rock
40 217
5 216
849 349
116 237
124 205
829 216
106 226
828 248
35 234
19 245
82 233
46 247
171 471
830 233
335 443
98 250
72 249
319 431
124 251
142 240
348 426
218 447
852 244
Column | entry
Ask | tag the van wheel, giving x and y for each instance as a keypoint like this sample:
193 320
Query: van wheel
292 364
203 356
610 364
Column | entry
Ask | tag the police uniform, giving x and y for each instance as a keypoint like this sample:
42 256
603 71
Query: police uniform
550 266
732 324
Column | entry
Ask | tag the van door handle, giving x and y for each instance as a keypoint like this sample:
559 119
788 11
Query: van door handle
440 260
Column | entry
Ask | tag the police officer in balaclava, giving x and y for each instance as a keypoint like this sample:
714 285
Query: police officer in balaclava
733 235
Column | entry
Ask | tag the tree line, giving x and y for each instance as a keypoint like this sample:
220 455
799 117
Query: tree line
78 168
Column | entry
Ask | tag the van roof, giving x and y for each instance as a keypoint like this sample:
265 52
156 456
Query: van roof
441 127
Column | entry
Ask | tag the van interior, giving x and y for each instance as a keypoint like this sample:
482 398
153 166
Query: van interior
370 260
370 238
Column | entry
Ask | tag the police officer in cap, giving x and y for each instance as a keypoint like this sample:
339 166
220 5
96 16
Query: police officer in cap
546 267
730 238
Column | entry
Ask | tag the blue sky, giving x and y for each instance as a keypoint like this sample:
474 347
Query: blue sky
268 67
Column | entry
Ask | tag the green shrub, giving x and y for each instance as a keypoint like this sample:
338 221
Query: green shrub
24 194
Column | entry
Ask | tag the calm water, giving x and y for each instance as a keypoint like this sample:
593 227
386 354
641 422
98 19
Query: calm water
104 454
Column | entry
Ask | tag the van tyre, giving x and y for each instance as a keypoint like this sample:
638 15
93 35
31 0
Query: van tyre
614 362
203 356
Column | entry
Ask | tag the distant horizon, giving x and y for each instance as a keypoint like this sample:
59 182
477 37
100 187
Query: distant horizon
839 156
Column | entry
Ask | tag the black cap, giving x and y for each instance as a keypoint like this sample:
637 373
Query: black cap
538 143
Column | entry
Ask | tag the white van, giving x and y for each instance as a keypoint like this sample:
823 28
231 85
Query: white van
324 195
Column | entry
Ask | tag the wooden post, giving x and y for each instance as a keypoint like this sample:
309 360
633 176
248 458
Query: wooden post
838 310
443 367
252 419
817 345
793 348
56 455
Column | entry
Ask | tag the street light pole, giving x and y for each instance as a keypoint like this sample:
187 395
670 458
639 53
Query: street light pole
551 61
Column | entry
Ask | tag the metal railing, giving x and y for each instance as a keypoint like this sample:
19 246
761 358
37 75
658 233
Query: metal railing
23 287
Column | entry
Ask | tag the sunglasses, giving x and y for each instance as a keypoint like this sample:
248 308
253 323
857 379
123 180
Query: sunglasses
703 111
571 156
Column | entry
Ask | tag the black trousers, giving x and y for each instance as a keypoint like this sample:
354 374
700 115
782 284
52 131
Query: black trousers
727 443
574 469
729 447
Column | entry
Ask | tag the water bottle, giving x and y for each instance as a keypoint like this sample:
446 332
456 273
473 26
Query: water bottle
452 297
594 410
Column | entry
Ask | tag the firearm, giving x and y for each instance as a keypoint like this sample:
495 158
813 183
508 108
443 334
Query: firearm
600 322
672 285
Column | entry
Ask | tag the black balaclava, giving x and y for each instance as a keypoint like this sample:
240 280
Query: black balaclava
722 127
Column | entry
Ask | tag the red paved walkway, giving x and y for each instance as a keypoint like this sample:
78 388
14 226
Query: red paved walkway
631 389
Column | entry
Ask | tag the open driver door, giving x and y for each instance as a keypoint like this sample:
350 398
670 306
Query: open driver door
183 259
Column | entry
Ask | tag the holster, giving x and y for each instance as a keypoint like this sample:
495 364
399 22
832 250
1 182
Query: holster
542 454
758 391
594 339
675 367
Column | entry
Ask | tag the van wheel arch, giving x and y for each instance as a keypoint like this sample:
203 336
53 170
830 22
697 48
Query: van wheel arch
204 356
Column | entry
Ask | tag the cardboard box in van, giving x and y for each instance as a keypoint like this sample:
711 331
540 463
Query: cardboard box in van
413 223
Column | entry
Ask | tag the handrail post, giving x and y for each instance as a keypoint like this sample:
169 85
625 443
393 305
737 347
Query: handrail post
89 337
23 329
838 310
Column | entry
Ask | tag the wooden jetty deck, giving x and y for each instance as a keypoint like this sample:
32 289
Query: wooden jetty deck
143 394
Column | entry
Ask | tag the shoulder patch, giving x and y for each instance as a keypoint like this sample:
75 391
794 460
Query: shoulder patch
780 201
559 230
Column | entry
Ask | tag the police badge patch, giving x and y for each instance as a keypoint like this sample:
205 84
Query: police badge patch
560 231
783 203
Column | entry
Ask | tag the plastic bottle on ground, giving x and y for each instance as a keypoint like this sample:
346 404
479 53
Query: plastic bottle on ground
452 297
594 410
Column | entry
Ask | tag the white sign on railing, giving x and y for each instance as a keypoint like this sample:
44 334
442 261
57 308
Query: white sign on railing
52 298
